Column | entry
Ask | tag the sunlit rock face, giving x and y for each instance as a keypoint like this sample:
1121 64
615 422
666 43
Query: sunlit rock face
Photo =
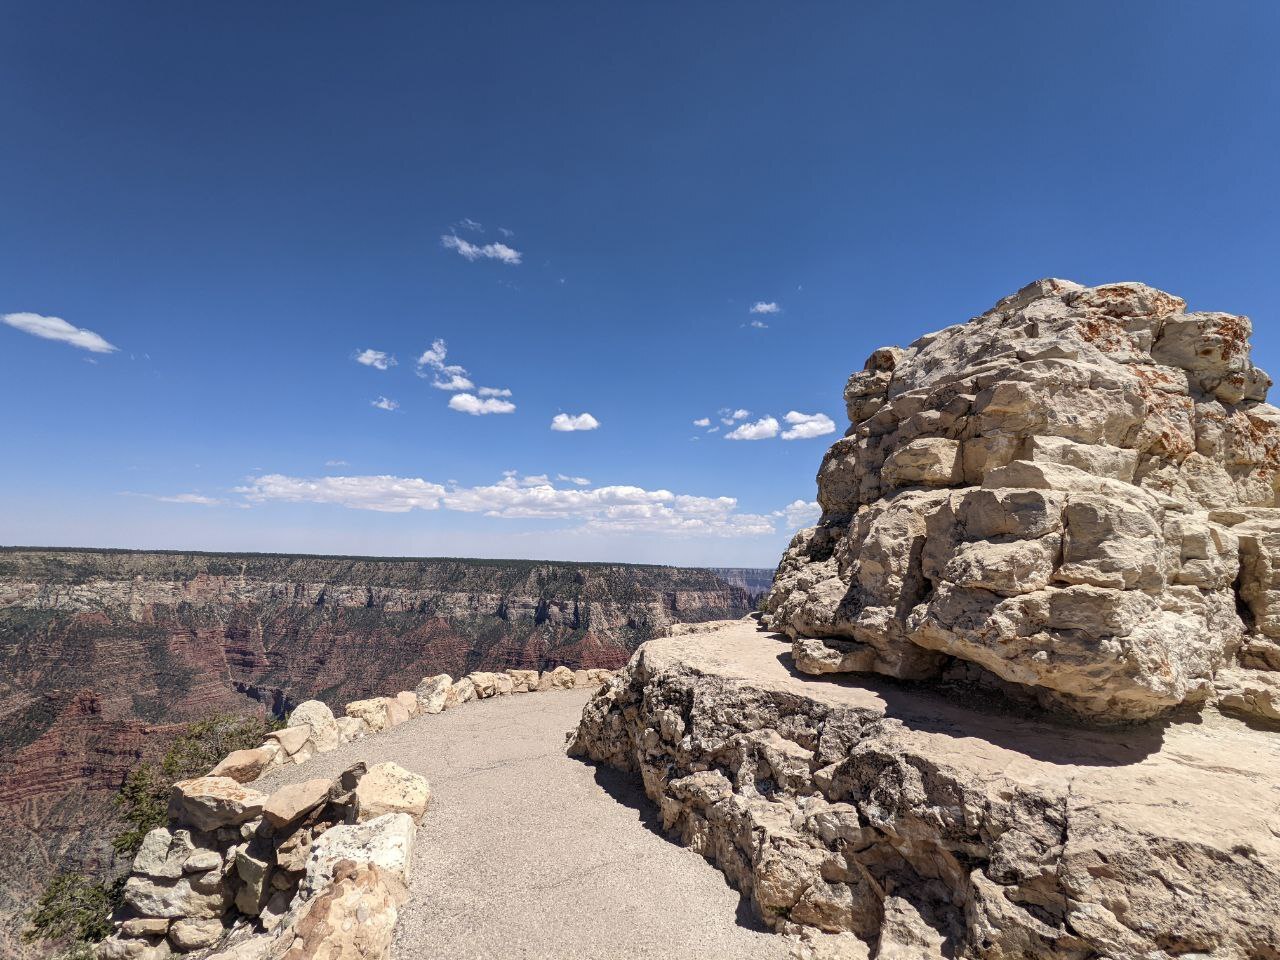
1072 495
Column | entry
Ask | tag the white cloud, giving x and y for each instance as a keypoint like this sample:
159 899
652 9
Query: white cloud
760 306
382 403
759 325
601 510
494 392
763 429
800 513
55 328
434 355
376 359
489 251
702 422
195 498
384 494
714 430
564 423
805 426
336 463
469 403
452 381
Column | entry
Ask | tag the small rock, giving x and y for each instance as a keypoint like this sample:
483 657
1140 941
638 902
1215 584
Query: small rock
291 739
187 935
145 927
372 711
202 861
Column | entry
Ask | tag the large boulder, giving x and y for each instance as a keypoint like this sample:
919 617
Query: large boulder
244 766
318 718
294 801
1070 498
372 711
352 919
385 842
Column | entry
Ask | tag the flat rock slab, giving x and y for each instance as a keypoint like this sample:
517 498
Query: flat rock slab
528 853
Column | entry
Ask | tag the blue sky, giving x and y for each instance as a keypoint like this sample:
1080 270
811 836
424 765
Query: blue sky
243 198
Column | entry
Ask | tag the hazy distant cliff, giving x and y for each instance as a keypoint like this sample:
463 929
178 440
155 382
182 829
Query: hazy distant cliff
97 646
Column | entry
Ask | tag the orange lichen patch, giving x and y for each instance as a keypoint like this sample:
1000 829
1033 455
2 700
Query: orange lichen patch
1252 440
1106 334
1234 337
1157 378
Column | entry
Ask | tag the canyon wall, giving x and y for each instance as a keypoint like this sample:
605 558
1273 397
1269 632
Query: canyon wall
100 651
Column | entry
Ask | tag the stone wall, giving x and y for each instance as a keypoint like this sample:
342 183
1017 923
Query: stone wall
317 868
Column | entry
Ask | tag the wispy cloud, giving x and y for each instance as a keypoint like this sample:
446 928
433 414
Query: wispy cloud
197 499
494 392
805 426
443 376
578 481
761 306
55 328
466 223
470 403
564 423
377 359
763 429
759 325
488 251
336 463
382 403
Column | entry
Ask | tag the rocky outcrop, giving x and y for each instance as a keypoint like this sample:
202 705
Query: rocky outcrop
105 654
875 819
1071 497
1069 502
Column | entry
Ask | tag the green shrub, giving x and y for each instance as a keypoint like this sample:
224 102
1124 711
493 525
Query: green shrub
72 913
143 800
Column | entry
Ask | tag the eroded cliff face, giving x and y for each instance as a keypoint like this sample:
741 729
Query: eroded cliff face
1073 493
101 649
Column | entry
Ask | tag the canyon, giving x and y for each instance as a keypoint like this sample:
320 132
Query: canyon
104 653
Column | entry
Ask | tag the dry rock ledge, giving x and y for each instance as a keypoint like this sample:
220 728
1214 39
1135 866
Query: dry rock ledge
1057 523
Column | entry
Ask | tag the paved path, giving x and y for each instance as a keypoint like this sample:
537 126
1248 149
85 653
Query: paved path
526 853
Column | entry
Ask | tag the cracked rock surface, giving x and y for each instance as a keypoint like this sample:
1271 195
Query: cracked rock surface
1070 497
890 820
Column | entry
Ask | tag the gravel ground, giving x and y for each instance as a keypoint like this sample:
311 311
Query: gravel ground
527 853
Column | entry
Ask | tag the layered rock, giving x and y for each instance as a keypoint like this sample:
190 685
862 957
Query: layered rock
1071 496
875 819
106 654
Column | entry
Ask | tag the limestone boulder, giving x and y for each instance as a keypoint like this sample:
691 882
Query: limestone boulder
317 718
385 842
373 712
503 685
294 744
433 693
192 934
163 853
409 701
352 919
351 728
389 788
244 766
461 692
208 803
485 684
174 899
295 801
1073 496
523 681
560 678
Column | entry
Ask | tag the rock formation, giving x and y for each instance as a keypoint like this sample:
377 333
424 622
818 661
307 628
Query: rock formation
1073 494
1057 523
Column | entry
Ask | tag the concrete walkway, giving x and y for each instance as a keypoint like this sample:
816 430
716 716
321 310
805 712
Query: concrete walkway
526 853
